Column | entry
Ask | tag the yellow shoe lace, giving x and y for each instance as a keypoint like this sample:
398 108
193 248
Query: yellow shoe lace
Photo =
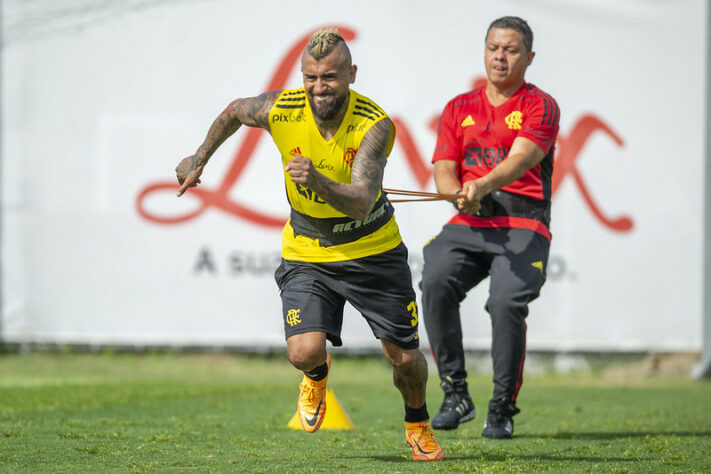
425 438
311 393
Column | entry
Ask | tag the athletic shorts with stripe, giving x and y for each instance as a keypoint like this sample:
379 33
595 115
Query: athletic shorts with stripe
313 296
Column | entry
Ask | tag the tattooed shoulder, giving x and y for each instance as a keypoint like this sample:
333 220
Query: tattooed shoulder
254 111
375 142
369 163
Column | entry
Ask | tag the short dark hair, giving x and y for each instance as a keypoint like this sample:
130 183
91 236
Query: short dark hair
514 23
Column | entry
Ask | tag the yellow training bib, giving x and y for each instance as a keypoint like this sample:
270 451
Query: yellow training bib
294 132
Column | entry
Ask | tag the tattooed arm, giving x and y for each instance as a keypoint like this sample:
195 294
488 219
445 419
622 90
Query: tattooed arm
253 112
357 198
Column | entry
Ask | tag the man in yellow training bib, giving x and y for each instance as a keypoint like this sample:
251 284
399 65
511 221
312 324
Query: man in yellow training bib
341 242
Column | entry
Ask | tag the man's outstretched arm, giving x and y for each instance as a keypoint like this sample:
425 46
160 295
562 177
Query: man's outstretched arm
252 111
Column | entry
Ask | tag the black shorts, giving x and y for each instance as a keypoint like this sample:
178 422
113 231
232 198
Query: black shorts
379 287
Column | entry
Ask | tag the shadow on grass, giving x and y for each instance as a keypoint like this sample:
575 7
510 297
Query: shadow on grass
487 457
603 435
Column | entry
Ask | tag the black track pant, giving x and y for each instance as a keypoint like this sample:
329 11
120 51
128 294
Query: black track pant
457 260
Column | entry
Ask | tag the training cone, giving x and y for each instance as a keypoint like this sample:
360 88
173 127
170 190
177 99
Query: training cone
335 419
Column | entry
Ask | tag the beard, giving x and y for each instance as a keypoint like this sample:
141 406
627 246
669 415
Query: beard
325 111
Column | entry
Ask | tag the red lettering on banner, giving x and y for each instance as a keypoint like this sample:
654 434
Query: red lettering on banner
564 164
567 151
219 198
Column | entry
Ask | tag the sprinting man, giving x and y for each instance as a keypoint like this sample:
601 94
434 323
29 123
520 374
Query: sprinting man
341 242
495 147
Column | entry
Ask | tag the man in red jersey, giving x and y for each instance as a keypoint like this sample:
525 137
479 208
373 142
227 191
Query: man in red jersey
495 148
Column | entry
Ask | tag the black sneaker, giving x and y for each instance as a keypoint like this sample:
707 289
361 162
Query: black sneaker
499 421
457 406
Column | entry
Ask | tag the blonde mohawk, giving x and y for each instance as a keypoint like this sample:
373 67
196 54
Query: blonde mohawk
323 41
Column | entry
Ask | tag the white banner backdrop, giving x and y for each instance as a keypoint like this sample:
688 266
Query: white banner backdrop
98 109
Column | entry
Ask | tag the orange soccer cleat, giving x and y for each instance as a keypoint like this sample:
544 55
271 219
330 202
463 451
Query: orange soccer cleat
422 440
312 401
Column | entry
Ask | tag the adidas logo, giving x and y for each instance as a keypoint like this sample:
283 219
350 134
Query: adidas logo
468 122
508 427
295 151
465 410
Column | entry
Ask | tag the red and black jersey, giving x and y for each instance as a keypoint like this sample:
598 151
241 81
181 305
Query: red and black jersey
479 136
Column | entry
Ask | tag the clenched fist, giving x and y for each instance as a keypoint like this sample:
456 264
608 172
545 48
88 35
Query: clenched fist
188 173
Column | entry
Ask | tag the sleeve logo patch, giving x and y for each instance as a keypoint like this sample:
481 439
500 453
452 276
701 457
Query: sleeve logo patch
468 122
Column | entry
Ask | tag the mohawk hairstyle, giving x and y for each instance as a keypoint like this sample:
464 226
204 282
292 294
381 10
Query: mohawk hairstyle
323 41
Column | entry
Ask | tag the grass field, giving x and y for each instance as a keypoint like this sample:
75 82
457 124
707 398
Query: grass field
227 413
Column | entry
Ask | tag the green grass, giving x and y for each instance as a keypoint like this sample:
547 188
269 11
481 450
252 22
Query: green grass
227 413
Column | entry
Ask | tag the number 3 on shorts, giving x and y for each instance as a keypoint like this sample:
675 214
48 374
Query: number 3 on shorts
412 307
